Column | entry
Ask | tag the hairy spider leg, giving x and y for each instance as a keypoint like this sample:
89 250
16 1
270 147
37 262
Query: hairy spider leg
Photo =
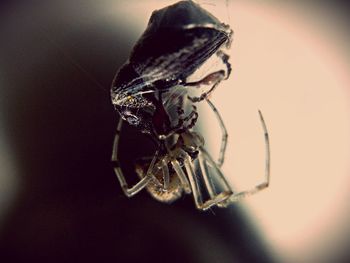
224 137
180 113
143 182
224 57
266 182
215 77
192 116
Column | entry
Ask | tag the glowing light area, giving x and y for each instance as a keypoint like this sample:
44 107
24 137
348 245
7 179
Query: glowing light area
290 61
296 74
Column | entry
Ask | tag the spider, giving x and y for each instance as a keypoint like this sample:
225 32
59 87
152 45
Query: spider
153 93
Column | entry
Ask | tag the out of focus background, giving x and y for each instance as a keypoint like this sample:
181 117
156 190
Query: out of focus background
59 198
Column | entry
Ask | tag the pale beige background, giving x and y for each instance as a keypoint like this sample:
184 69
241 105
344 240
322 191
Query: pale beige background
291 61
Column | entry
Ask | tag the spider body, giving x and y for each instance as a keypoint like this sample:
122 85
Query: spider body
153 92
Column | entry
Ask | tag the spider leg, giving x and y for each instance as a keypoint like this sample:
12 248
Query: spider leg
224 57
197 195
215 198
215 77
224 137
192 117
119 173
166 178
266 182
193 182
180 113
182 176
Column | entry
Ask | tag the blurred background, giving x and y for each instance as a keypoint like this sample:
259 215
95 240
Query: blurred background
59 198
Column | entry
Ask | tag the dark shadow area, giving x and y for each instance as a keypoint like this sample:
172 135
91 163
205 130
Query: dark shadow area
60 124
